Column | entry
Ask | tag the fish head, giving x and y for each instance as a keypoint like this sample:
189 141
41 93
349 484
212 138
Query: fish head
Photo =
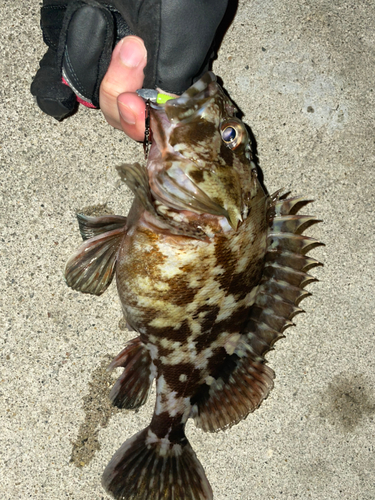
200 161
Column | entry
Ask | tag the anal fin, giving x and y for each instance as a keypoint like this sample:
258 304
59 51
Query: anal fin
132 388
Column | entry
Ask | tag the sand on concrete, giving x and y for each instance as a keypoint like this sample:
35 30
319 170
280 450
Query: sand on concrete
303 73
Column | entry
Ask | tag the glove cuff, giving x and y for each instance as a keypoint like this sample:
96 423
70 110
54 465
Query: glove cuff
51 20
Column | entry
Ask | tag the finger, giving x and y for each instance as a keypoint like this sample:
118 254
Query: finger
132 115
125 74
52 96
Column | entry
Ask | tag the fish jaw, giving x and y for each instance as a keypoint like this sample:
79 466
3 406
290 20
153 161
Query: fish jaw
182 185
174 188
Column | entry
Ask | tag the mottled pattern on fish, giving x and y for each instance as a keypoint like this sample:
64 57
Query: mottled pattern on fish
210 270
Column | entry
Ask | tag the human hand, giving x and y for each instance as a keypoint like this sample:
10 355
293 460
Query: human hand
81 35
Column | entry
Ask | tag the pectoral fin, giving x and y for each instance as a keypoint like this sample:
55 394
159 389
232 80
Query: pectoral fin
90 269
135 177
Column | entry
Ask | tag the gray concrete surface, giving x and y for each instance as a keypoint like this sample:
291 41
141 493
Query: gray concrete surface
303 73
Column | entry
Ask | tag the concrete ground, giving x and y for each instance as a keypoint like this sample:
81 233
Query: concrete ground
303 73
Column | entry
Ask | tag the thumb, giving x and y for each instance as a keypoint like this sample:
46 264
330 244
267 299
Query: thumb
124 76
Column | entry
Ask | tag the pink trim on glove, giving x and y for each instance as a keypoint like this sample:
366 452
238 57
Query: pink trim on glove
79 99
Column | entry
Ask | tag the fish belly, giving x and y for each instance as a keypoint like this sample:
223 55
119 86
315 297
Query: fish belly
188 298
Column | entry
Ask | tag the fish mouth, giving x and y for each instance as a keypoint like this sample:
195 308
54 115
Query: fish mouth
178 181
175 189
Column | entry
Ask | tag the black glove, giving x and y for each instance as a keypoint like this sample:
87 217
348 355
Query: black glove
81 35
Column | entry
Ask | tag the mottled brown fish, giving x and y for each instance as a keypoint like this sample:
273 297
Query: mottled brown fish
210 270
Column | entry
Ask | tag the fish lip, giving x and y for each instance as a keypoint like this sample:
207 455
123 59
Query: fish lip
183 108
198 87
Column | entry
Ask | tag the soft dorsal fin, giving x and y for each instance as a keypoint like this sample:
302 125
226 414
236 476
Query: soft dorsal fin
246 380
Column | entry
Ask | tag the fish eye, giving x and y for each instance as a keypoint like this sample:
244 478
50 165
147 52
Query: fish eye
232 133
229 134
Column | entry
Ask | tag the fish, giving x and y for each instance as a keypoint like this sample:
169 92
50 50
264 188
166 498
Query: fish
210 270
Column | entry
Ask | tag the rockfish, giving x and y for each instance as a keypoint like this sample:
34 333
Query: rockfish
210 270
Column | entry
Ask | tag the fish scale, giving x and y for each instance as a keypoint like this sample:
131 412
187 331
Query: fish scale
210 271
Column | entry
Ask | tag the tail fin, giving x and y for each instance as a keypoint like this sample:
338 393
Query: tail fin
149 468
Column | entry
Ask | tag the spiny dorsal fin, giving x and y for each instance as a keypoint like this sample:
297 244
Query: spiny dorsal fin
247 380
289 206
290 293
296 224
284 276
292 260
293 242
